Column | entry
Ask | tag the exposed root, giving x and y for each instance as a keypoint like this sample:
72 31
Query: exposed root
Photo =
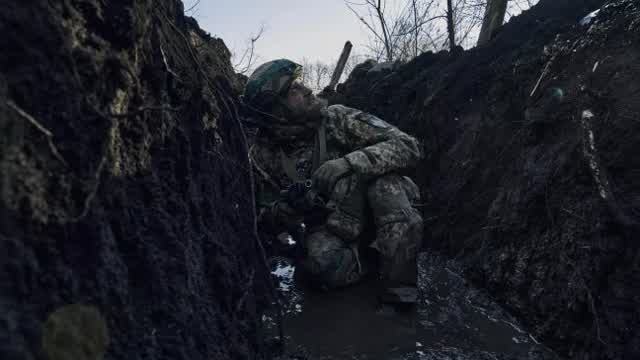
594 311
573 214
232 110
592 304
45 131
544 72
166 64
92 194
144 109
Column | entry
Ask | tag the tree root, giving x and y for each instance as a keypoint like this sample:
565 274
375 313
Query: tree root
39 126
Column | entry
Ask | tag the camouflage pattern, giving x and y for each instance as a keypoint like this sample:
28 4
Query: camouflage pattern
399 226
376 151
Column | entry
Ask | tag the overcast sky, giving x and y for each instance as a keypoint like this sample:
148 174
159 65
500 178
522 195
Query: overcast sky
315 29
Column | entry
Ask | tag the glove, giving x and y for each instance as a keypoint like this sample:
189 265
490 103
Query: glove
279 215
329 173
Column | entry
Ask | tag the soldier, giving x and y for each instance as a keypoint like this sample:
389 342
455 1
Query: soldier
351 160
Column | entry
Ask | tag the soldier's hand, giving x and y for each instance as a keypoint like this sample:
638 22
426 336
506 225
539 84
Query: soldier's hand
329 173
283 210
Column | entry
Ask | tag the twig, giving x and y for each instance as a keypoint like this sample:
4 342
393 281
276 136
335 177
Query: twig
250 51
143 109
42 129
166 64
245 293
264 174
572 213
544 72
592 303
92 194
375 33
192 6
29 118
593 310
234 114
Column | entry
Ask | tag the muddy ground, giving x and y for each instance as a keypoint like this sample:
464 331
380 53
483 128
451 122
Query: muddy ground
531 172
126 221
127 224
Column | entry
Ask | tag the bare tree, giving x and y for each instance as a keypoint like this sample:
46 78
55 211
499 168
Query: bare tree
316 75
493 18
402 29
378 25
247 60
451 30
353 61
396 32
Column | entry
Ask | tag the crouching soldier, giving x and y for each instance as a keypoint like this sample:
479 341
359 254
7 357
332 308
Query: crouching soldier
347 164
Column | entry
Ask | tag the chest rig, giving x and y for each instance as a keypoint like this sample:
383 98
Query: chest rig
292 167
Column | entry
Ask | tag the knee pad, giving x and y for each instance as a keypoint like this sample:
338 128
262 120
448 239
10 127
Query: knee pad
344 225
399 233
334 267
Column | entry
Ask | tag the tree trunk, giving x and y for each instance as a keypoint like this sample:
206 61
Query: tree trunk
493 18
450 27
385 33
416 30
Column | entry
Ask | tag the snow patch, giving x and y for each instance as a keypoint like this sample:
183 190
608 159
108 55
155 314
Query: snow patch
285 277
589 18
587 114
591 153
534 339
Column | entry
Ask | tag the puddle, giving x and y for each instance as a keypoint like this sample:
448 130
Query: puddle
460 322
341 324
452 320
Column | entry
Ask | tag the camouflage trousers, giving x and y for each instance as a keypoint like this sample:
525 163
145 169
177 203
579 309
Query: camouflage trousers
332 254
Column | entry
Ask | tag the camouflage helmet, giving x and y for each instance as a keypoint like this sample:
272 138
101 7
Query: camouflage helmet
271 80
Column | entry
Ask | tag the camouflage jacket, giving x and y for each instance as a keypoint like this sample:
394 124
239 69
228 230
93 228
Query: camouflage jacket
370 145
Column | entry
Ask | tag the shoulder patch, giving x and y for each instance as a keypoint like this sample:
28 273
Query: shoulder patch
373 120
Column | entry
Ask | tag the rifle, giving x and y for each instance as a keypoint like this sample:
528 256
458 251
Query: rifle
302 197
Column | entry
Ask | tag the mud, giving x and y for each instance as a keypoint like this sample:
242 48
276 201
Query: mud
459 321
127 221
533 192
452 320
126 215
342 324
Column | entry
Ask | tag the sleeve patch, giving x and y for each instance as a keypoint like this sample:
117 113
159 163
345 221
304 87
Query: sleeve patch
373 120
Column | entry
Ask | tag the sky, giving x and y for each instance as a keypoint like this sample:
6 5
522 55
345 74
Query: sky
294 29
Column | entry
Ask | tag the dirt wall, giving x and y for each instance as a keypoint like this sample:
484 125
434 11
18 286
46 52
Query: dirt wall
126 220
536 192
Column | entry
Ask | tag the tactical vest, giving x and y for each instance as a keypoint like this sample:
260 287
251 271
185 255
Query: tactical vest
319 155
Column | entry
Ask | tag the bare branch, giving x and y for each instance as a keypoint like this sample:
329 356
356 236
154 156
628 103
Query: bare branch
246 62
192 6
373 31
41 128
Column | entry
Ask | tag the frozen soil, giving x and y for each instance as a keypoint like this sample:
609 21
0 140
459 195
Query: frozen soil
125 209
530 178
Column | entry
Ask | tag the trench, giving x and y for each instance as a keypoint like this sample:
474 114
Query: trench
452 320
140 211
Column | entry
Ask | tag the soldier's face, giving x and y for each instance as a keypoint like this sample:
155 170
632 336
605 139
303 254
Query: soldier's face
301 101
